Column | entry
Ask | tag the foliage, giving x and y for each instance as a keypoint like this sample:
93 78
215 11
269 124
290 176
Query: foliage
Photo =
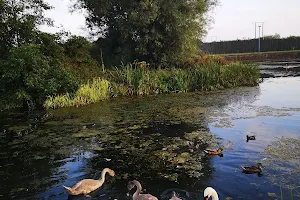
204 60
78 59
140 79
77 46
27 75
48 66
160 32
292 37
88 93
51 45
18 22
270 37
34 64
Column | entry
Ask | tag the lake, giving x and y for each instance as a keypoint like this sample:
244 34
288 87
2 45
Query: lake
145 138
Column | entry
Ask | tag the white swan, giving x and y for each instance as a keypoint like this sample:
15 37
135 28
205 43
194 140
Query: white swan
210 192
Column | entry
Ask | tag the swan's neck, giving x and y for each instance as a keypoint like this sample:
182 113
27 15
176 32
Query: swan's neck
138 190
211 193
214 196
102 177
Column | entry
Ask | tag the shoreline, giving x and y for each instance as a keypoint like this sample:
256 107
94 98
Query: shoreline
263 56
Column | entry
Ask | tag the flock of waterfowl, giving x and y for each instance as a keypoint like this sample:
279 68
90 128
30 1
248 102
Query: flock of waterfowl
86 186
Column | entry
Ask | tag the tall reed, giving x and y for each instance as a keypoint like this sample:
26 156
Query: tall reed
134 79
92 92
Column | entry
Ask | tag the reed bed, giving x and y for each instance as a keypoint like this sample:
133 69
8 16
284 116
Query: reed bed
92 92
140 79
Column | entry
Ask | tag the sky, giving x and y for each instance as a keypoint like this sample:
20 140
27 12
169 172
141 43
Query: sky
232 19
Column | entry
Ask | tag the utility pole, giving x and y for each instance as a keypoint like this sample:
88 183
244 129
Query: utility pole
259 39
262 30
262 25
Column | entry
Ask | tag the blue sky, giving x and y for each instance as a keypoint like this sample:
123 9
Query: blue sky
232 18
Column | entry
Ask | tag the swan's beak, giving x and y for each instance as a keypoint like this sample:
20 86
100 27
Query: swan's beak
206 198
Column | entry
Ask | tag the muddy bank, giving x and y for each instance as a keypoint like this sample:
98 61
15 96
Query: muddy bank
264 56
279 69
271 64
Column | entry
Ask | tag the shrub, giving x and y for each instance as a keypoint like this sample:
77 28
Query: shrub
78 60
28 76
204 60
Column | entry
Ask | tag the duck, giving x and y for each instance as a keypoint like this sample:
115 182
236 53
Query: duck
174 197
137 195
251 137
87 186
252 169
214 152
210 192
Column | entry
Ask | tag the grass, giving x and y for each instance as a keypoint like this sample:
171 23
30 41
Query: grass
140 79
88 93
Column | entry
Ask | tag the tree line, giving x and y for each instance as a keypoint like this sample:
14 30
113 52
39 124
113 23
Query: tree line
34 64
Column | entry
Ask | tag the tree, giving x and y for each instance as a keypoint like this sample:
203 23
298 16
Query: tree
293 37
271 37
79 60
18 22
34 64
158 31
28 76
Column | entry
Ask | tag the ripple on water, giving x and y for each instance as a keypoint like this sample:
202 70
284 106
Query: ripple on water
123 133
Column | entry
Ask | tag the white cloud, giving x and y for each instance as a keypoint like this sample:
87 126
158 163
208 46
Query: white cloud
64 19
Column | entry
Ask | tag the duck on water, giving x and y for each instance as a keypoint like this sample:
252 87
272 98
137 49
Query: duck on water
252 169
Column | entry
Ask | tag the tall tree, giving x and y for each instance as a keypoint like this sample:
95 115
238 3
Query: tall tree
157 31
18 22
30 60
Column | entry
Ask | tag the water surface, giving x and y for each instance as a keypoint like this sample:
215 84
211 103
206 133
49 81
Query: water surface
146 138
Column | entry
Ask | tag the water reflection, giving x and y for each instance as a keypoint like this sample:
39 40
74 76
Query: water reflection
146 139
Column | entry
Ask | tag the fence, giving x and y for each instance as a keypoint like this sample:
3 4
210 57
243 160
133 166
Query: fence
245 46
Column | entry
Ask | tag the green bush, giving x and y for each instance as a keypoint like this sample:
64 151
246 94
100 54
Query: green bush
78 60
29 76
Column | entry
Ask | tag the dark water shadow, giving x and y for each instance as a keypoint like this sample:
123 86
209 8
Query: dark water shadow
127 135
